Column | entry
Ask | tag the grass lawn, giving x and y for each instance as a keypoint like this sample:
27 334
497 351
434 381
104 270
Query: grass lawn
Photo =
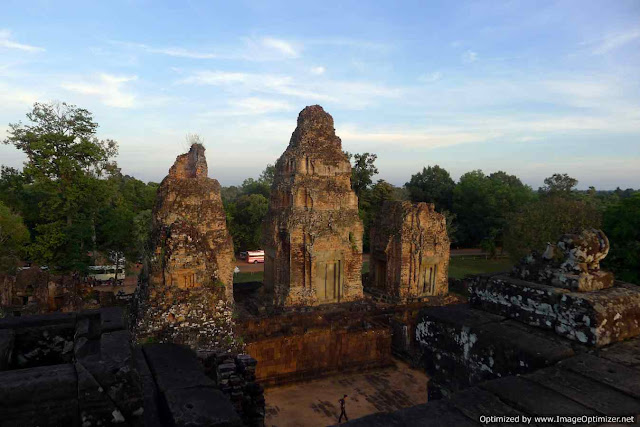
458 268
248 277
461 266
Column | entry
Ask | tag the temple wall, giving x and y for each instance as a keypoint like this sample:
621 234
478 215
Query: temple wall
298 348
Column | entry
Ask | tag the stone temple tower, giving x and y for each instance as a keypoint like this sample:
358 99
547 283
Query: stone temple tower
192 245
312 233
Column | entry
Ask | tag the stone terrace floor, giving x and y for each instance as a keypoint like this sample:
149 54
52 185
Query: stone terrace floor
315 403
603 382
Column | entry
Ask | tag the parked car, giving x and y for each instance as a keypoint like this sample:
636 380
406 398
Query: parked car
254 257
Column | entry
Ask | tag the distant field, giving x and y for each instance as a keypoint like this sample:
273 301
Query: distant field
458 268
461 266
248 277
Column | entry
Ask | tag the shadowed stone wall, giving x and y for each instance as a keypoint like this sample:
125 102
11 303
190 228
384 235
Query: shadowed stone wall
297 346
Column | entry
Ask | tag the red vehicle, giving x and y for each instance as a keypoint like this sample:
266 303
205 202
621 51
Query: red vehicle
254 257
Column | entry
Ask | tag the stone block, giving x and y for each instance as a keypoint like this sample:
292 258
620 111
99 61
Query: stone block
115 372
594 318
534 399
112 319
43 396
620 377
7 337
437 414
476 402
626 353
96 408
36 321
175 367
586 391
200 406
149 389
461 346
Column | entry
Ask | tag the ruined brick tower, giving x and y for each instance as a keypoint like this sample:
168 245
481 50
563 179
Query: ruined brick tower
189 295
192 245
409 252
312 233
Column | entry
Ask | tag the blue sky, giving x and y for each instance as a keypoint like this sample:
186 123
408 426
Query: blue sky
528 87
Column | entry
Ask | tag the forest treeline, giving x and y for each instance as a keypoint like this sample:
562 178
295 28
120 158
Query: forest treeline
70 201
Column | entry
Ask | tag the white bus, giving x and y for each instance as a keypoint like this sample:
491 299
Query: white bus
254 257
104 273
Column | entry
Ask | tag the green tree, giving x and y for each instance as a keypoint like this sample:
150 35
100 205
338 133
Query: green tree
20 195
142 228
482 204
230 194
246 221
116 233
432 185
362 171
621 223
268 174
544 220
252 186
13 238
558 183
65 160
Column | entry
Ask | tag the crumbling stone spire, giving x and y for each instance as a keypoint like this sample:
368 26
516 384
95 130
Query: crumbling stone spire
190 283
190 165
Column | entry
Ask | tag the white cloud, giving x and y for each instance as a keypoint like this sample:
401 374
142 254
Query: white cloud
270 83
17 97
475 129
254 49
261 106
614 41
178 52
182 53
469 57
108 88
217 78
347 94
249 107
431 77
282 46
318 70
265 49
7 42
434 138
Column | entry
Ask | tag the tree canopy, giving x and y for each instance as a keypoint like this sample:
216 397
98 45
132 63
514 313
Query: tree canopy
70 191
432 185
621 223
362 171
14 237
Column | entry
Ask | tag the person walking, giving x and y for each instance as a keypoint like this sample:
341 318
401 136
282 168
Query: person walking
342 409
